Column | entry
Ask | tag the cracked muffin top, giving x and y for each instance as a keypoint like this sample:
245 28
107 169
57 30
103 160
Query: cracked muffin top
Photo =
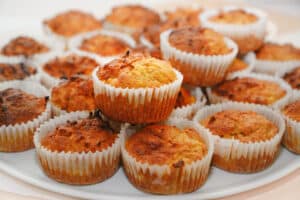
199 41
278 52
245 126
16 71
292 110
73 22
293 78
237 16
166 145
190 16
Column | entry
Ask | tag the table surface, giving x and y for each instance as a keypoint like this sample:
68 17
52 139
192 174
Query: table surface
285 14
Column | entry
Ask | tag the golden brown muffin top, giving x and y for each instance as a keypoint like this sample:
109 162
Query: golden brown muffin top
292 110
70 65
277 52
237 65
104 45
137 71
245 126
186 14
133 16
23 45
73 22
154 52
83 135
184 98
238 16
293 78
17 71
166 145
250 90
19 107
199 41
74 94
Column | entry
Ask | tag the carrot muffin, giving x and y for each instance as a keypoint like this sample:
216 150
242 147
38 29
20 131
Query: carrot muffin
75 94
22 111
245 26
187 14
252 132
71 23
166 151
130 18
189 101
293 78
16 71
251 90
202 55
23 46
65 66
75 136
125 88
290 111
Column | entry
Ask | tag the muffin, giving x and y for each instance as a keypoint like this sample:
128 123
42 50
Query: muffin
251 88
253 133
70 23
130 18
154 52
189 15
23 108
63 66
75 94
201 55
77 137
241 65
107 45
189 101
290 111
246 26
271 58
136 88
23 47
17 69
291 76
168 158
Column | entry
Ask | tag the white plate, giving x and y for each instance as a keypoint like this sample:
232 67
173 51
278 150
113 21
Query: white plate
25 166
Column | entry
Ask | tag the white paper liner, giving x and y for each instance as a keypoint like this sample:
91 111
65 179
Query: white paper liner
50 81
284 70
258 29
214 98
115 27
140 97
233 148
216 64
75 42
74 163
188 111
249 59
34 77
23 131
145 42
50 43
291 138
190 172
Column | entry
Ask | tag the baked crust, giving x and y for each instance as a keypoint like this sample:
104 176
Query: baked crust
154 52
238 16
199 41
104 45
70 65
23 45
184 98
74 94
292 110
134 16
84 135
166 145
190 16
17 71
245 126
137 71
237 65
250 90
18 106
72 22
277 52
293 78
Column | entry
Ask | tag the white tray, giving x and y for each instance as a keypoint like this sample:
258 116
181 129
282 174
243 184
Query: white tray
25 166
